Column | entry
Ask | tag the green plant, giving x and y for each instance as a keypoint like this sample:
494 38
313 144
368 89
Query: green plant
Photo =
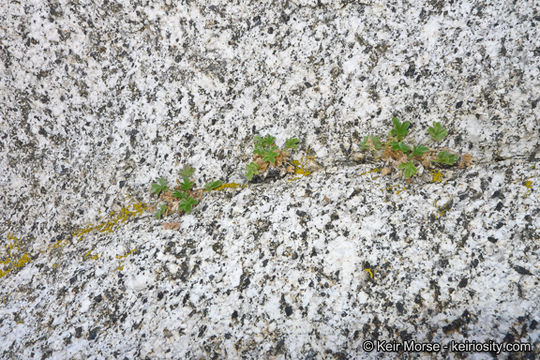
437 132
444 157
264 145
159 213
291 143
179 194
183 196
251 170
419 150
187 184
371 143
407 157
187 171
409 170
400 146
212 185
400 130
186 205
159 187
266 153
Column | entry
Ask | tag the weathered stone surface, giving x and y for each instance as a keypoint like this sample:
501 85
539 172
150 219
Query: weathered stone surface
100 99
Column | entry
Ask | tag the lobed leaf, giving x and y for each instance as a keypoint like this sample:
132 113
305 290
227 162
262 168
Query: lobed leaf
400 129
409 170
212 185
437 132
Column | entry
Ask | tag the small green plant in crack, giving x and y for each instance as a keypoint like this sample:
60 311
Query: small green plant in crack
252 169
409 170
266 154
183 197
291 143
400 146
444 157
400 130
437 132
213 185
159 212
186 205
419 150
371 143
160 186
410 158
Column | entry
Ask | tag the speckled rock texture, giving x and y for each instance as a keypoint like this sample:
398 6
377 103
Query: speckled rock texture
100 98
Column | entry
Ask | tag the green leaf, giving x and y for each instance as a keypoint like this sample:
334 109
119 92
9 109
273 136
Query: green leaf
419 150
159 213
400 129
258 150
444 157
212 185
268 140
187 204
409 170
179 194
437 132
270 156
187 171
187 184
400 146
258 141
291 143
159 187
371 143
251 170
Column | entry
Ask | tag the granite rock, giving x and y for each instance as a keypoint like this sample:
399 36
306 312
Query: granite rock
98 99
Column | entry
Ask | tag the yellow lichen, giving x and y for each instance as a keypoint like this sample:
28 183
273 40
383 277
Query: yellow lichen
122 259
437 176
230 185
300 166
370 272
13 258
370 171
108 226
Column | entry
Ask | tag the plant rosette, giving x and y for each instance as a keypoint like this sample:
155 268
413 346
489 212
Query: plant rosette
268 161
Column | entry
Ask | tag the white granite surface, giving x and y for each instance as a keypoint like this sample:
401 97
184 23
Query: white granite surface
100 98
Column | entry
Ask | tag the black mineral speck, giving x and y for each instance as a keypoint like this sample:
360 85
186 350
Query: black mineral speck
93 333
521 270
497 194
288 310
463 283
